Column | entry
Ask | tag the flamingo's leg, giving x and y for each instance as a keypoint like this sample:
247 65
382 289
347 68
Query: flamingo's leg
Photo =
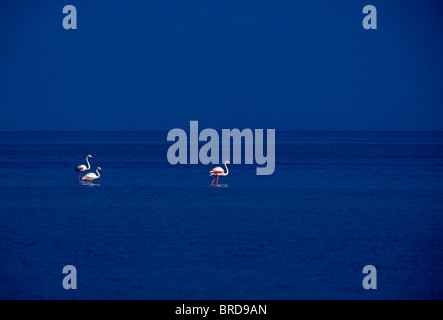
216 182
213 181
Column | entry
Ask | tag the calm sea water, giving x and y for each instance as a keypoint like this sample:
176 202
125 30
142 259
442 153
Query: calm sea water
337 201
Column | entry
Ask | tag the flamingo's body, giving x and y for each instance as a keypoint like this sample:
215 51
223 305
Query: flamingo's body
218 171
92 176
82 168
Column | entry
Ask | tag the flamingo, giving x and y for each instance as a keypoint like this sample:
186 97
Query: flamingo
218 171
92 176
82 168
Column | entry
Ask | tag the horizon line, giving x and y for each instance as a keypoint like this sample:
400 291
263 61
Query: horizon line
166 130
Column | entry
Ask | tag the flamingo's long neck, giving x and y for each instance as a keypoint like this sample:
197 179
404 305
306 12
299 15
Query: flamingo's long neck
227 170
98 174
87 161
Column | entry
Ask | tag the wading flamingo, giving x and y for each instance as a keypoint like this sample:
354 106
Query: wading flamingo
82 168
92 176
218 171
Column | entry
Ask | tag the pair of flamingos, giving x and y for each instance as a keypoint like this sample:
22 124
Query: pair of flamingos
90 176
217 171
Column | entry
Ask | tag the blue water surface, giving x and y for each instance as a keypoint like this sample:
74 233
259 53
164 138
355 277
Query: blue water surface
149 230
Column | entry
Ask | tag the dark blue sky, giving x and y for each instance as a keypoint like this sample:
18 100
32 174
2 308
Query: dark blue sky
149 65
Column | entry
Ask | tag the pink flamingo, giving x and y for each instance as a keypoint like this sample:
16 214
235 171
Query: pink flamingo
82 168
92 176
218 171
